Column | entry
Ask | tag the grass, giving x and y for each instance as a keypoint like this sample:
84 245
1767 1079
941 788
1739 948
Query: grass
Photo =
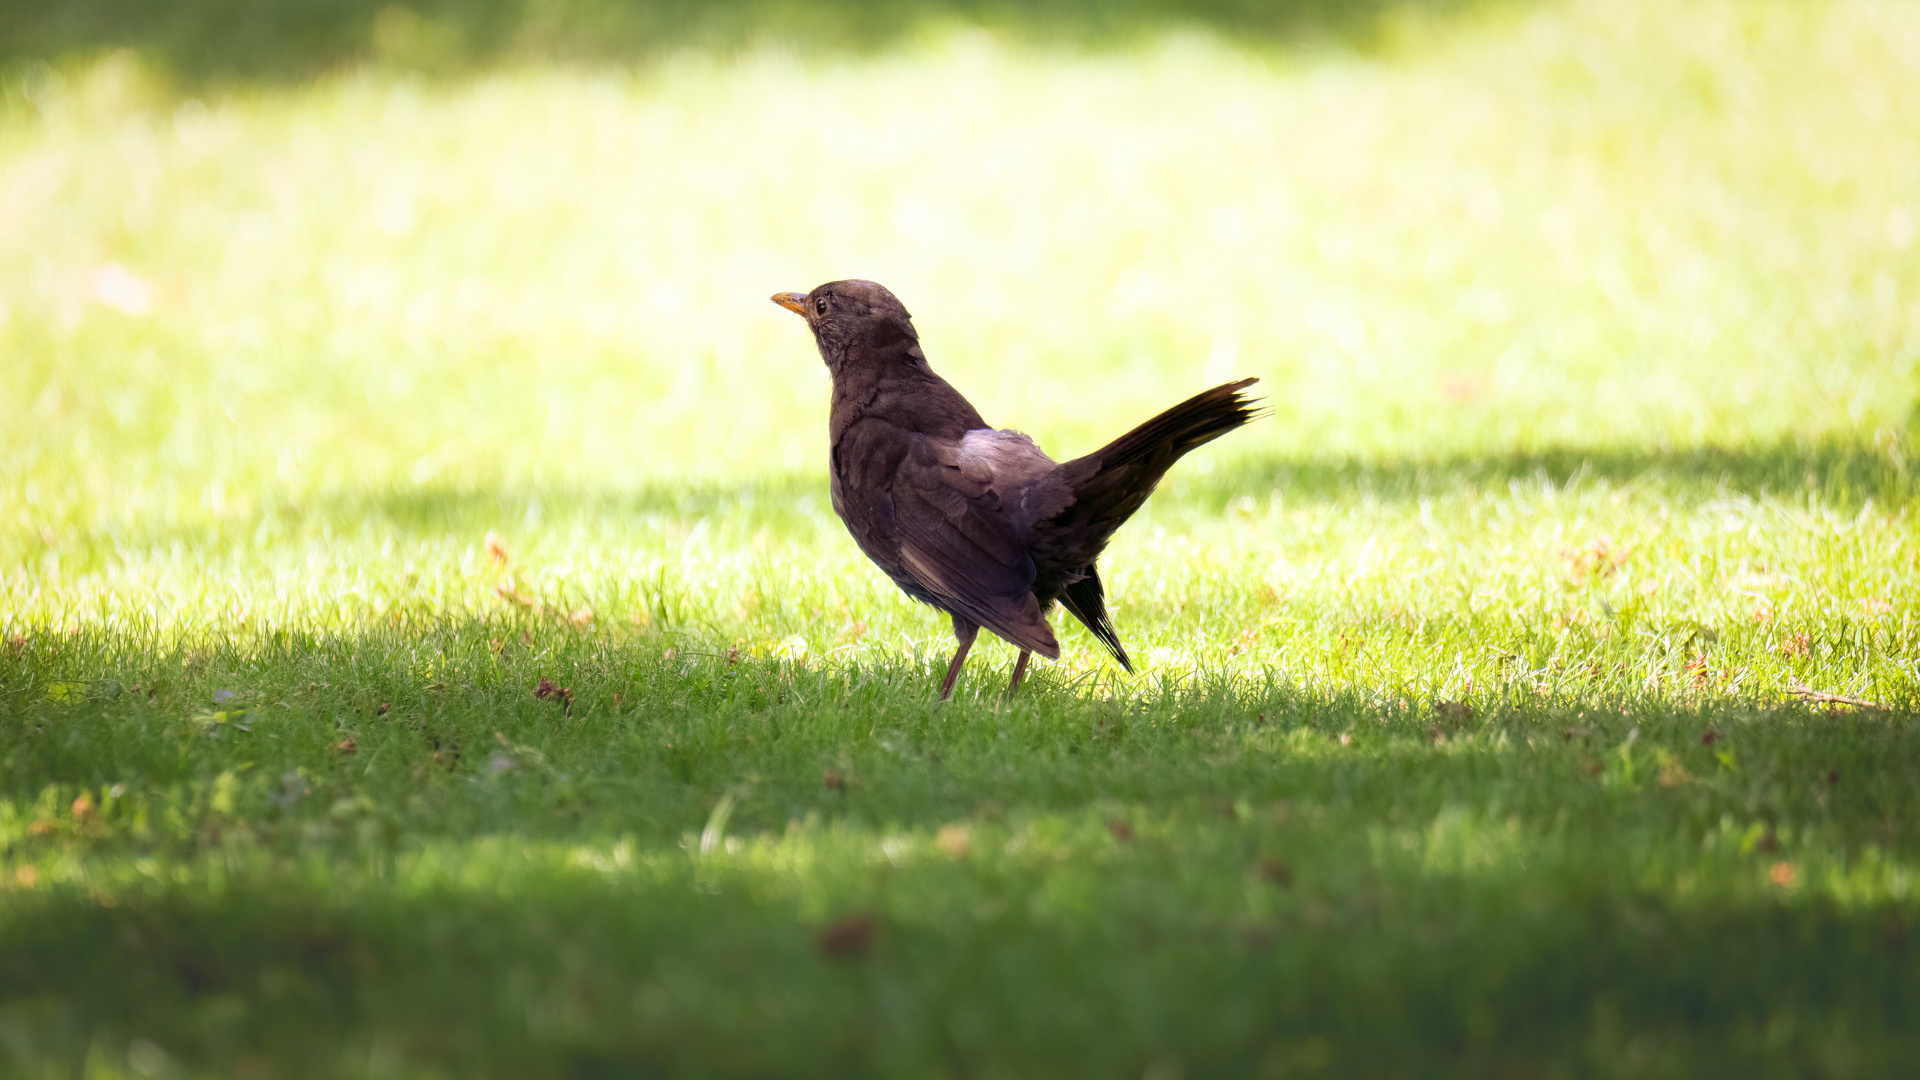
339 414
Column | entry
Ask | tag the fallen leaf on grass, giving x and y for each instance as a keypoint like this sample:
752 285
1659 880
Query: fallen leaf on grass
1121 830
345 747
547 691
496 548
1274 872
850 937
1597 560
1247 639
1784 874
511 595
955 840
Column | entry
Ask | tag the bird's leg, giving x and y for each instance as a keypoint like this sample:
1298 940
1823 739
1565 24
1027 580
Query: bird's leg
1019 670
966 632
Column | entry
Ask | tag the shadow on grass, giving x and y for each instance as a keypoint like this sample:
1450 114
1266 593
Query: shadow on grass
682 972
388 839
1837 477
200 41
451 889
1840 474
1843 476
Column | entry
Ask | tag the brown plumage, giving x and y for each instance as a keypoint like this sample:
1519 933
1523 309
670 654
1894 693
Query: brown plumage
973 520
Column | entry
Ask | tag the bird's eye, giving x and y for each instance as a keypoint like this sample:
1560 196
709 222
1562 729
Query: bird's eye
820 305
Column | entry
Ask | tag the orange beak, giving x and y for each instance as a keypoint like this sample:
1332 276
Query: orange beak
795 302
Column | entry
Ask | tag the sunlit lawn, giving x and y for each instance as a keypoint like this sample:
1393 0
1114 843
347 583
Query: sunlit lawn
1472 735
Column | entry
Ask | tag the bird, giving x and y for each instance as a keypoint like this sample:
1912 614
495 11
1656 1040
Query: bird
975 520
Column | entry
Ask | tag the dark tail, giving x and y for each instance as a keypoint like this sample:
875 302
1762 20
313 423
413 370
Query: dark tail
1111 483
1087 600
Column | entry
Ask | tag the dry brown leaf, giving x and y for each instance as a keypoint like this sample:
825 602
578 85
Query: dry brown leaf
1274 871
955 840
1598 559
847 938
549 691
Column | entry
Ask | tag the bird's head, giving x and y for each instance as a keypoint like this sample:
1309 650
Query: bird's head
854 318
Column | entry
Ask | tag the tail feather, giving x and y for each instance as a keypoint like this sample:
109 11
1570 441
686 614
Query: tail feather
1087 600
1113 481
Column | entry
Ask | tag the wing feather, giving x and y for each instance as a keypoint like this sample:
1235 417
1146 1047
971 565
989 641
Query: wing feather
962 513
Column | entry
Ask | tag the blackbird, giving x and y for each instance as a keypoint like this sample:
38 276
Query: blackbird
971 519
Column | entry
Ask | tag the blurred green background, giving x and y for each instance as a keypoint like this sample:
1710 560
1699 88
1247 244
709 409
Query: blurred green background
364 366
